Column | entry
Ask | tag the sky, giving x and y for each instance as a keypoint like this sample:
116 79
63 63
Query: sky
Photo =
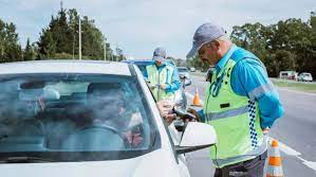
139 26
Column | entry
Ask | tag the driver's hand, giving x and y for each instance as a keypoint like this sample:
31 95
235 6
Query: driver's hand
169 118
165 109
133 138
195 113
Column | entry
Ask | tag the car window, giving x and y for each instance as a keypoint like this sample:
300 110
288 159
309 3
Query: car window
183 69
63 115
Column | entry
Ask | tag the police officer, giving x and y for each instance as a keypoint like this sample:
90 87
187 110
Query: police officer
241 103
162 77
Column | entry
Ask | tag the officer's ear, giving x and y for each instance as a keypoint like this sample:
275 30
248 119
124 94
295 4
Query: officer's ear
216 44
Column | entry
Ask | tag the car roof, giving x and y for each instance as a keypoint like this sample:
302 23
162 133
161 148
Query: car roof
140 61
65 66
145 61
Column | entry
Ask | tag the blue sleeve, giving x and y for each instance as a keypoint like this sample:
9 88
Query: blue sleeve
175 83
145 73
249 78
201 114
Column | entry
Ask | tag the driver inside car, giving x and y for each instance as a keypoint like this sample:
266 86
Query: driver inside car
109 109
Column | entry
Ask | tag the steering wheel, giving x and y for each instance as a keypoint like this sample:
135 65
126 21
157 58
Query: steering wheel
98 126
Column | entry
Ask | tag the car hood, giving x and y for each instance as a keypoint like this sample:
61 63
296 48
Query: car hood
157 163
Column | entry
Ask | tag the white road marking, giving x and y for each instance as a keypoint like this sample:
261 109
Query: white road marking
296 91
284 148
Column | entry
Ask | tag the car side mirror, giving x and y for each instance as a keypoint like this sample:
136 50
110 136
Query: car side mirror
196 136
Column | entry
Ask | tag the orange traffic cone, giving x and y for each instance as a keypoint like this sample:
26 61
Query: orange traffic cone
196 99
274 168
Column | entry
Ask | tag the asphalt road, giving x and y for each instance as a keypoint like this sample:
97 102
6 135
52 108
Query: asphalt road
295 131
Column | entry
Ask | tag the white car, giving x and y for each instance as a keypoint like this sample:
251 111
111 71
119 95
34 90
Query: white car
307 77
192 69
85 118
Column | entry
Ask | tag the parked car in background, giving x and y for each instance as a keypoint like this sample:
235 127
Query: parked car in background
95 119
305 77
288 75
192 69
180 97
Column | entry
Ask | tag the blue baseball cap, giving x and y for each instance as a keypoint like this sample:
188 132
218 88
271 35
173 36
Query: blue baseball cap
159 54
204 34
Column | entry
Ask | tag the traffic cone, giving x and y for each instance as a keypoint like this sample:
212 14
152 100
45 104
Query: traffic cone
274 168
196 99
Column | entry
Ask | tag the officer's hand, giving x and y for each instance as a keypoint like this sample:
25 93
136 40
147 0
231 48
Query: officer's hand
163 86
265 131
195 113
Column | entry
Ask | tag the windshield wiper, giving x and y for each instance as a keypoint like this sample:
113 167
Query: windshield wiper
24 159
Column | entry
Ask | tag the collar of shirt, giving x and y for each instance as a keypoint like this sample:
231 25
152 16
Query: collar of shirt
225 58
161 66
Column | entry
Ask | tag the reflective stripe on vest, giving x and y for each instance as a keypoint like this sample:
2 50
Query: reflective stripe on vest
250 155
235 119
228 113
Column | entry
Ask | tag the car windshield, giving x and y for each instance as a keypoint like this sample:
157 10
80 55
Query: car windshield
307 75
74 117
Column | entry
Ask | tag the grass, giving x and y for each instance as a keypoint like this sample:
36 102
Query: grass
306 87
300 86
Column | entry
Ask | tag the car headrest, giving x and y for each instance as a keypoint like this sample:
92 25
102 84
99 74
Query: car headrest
103 87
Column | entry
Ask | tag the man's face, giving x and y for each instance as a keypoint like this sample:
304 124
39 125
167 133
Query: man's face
209 53
158 62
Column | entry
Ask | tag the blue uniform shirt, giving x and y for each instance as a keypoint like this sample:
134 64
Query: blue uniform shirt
250 78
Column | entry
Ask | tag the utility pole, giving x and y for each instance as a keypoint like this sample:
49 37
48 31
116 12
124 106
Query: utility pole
313 20
104 46
80 39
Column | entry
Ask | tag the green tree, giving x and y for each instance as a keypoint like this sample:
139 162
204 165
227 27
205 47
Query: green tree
287 45
92 40
60 38
29 53
10 49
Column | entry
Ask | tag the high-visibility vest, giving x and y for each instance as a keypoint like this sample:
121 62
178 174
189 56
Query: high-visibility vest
235 119
157 77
